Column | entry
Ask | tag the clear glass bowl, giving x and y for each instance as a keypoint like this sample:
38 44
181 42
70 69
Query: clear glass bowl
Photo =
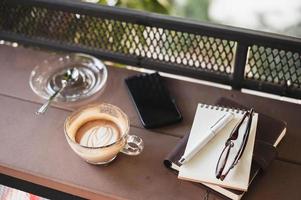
46 77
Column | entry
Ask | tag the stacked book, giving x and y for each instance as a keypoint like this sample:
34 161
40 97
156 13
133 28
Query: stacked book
265 134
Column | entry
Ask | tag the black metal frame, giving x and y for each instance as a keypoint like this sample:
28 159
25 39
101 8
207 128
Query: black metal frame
244 40
35 189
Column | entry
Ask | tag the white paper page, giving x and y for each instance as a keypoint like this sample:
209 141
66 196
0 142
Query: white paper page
201 168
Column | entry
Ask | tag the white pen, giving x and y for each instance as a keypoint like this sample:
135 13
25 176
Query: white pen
214 129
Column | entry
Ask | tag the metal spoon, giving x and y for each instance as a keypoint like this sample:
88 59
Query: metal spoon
69 77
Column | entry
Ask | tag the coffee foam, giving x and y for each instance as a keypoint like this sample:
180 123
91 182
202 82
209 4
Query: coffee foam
99 126
97 133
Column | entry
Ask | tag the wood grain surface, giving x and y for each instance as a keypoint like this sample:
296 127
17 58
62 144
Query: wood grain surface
34 148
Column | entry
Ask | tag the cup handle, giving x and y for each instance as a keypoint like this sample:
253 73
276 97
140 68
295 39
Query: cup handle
134 145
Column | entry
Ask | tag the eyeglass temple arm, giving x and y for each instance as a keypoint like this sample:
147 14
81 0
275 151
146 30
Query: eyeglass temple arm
234 132
246 136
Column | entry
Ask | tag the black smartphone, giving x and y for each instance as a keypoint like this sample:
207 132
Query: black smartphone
152 100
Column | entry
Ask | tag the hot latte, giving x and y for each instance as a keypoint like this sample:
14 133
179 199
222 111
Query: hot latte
97 133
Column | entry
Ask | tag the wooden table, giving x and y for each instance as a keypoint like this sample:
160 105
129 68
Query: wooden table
34 148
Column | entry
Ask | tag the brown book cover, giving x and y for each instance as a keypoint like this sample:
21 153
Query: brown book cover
270 131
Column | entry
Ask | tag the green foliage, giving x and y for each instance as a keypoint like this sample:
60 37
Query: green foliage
195 9
158 6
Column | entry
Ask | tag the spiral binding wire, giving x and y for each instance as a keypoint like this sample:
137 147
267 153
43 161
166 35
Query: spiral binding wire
223 108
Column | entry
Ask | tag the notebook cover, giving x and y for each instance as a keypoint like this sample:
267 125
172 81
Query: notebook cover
266 136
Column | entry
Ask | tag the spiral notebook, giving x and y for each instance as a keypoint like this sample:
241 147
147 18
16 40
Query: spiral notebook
201 168
269 133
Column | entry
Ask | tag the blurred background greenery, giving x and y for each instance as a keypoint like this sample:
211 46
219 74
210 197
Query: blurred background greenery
277 16
196 9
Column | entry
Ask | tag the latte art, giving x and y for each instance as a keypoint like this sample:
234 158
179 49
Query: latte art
97 133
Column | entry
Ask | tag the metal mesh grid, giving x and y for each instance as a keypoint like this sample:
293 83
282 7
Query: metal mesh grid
274 66
192 51
225 55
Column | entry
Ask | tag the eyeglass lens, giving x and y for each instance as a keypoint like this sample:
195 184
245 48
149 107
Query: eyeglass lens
234 147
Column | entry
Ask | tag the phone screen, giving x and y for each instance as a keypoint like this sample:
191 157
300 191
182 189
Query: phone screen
152 100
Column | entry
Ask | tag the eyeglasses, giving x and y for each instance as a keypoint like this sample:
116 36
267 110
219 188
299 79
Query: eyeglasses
229 158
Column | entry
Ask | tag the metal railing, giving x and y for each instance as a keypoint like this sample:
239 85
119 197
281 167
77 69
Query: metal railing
233 56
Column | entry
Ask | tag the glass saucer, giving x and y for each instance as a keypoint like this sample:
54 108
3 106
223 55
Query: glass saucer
46 78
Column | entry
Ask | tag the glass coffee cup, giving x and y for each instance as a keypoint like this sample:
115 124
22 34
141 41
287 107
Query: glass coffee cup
97 133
